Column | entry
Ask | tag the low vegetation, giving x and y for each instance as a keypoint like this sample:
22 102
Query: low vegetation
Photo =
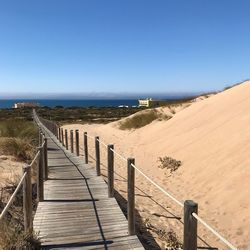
169 163
12 235
142 119
85 115
236 84
171 242
22 114
18 138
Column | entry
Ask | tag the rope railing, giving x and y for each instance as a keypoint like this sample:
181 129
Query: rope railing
25 182
35 158
104 144
169 195
158 187
214 231
6 208
186 205
91 137
120 156
181 204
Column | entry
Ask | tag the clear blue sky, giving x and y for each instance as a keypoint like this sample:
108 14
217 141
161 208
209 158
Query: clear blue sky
64 46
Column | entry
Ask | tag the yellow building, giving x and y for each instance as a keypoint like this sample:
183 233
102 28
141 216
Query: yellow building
150 103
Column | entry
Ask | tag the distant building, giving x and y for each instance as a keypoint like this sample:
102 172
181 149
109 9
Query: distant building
150 103
25 105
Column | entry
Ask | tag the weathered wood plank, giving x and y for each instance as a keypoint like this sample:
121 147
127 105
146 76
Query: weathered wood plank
76 212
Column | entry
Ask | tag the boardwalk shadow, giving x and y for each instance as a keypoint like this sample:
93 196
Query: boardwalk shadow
54 149
80 200
80 244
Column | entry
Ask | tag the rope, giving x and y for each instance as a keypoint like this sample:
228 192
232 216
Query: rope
104 144
156 185
214 232
12 196
35 158
90 136
123 158
160 188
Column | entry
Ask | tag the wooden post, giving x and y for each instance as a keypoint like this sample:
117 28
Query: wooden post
27 200
190 225
97 156
62 137
110 171
77 142
56 129
131 197
45 150
71 141
85 139
40 138
40 187
66 139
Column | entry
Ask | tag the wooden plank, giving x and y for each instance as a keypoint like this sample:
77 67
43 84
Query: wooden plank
76 212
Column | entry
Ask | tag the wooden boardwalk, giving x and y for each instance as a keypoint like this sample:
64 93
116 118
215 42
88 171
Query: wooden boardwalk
76 212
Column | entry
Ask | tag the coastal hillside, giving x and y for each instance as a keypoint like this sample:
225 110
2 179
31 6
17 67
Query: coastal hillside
211 138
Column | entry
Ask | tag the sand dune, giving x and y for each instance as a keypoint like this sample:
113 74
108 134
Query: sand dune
212 139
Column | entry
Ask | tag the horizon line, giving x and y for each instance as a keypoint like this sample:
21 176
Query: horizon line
100 95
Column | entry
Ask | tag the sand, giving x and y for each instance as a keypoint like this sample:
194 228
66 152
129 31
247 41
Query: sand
212 139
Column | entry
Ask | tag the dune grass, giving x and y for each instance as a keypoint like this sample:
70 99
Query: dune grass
141 119
13 237
18 138
12 234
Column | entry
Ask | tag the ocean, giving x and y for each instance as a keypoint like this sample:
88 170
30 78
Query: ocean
8 103
72 103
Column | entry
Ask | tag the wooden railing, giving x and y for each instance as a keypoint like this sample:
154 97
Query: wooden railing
39 162
190 208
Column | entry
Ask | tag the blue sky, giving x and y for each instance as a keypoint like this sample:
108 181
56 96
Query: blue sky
82 46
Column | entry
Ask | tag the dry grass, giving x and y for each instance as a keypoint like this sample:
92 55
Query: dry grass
19 148
12 235
169 163
142 119
171 242
18 138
